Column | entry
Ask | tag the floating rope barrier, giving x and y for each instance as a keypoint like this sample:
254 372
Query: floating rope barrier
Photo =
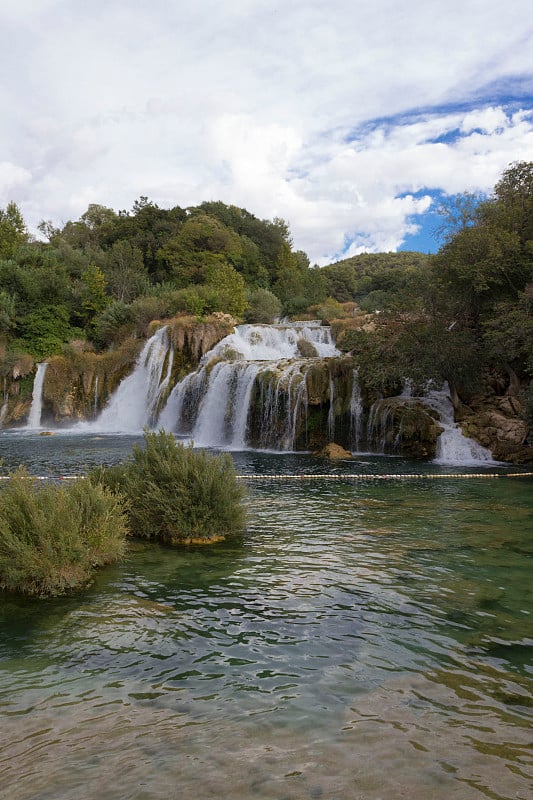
388 477
358 476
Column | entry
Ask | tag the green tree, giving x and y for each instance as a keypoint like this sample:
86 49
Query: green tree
228 288
13 231
7 313
457 212
201 242
125 273
45 330
263 306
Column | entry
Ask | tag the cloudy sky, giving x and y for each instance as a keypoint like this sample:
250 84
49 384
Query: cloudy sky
350 119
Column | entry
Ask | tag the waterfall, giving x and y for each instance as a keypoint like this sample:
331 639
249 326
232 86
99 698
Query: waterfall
331 412
380 422
257 366
3 410
95 396
453 447
136 402
34 417
356 412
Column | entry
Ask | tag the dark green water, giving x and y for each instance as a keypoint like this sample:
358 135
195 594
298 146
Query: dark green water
363 639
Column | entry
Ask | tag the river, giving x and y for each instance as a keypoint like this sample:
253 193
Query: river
364 639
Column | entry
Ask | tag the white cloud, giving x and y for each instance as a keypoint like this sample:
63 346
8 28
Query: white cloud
267 105
12 178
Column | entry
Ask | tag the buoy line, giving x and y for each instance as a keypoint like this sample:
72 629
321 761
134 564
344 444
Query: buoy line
358 476
388 476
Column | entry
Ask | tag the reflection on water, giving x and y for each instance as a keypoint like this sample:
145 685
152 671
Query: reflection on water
361 640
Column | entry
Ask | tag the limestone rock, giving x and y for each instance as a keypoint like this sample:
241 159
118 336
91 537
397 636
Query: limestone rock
334 451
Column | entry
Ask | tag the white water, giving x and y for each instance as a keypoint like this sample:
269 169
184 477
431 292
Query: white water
135 402
212 405
331 412
356 411
34 417
274 342
96 395
6 401
452 446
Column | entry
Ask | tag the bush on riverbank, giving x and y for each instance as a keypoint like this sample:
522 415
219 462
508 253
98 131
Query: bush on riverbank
175 494
53 537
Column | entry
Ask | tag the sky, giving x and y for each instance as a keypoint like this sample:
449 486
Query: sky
352 120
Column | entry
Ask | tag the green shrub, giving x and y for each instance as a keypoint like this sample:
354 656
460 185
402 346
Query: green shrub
177 494
306 348
109 322
263 306
53 537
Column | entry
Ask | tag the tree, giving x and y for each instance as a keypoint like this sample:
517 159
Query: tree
201 242
263 306
7 313
492 259
13 231
229 288
514 191
125 271
92 293
458 212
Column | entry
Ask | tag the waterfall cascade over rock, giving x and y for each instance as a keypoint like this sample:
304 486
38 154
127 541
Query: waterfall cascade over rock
34 417
391 420
135 403
250 389
452 446
281 387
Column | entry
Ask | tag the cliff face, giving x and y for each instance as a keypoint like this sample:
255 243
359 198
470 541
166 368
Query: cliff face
498 423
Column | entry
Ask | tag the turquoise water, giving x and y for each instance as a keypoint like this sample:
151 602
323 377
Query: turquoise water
362 639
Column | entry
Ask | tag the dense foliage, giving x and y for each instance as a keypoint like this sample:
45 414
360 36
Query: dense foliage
464 315
177 494
108 274
53 537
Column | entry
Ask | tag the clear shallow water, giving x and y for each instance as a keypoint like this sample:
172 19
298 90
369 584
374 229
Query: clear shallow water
364 639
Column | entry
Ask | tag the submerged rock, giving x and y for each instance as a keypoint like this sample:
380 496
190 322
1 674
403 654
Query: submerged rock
334 451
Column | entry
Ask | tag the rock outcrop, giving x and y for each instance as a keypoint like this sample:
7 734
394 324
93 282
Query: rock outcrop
498 423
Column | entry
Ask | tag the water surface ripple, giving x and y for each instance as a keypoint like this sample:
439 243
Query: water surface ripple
360 640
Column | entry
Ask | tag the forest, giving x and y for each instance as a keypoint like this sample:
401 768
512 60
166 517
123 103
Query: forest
463 315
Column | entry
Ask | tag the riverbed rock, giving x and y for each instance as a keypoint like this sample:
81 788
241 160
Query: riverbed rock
334 451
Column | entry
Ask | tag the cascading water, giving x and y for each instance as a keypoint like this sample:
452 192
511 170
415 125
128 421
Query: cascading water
251 389
331 413
356 412
95 409
384 431
136 402
257 364
380 418
453 447
34 417
3 410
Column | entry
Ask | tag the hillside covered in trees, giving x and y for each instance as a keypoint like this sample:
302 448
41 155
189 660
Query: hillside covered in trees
463 315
